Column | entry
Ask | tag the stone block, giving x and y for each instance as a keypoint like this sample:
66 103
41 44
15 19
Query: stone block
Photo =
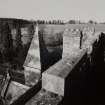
33 56
33 61
55 78
71 41
15 90
32 76
88 44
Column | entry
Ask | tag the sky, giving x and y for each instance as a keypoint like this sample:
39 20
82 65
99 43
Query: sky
83 10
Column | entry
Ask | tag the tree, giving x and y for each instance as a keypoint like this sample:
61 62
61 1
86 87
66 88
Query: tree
49 22
92 22
72 22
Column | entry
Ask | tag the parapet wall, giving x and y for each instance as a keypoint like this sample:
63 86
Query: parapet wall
66 77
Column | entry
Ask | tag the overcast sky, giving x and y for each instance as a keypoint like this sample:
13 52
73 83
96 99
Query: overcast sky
83 10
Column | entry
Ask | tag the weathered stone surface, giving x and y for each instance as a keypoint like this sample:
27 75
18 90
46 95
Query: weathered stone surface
31 76
33 56
32 62
71 41
54 79
15 90
45 98
89 31
88 44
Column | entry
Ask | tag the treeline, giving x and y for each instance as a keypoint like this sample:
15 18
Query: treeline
59 22
49 22
79 22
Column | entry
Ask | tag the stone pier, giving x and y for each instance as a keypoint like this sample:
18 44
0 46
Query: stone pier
32 65
56 78
71 41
